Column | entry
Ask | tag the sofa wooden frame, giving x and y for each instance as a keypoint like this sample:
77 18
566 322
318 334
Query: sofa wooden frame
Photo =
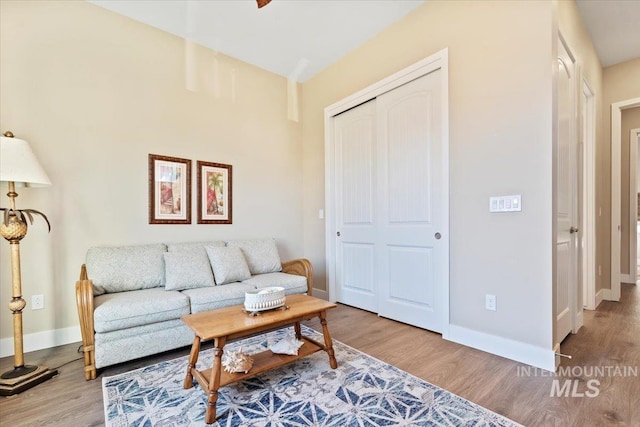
84 301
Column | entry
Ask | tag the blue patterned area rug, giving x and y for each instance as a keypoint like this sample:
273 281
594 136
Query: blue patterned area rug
363 391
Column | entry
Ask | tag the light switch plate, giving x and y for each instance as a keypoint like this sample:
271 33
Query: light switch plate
511 203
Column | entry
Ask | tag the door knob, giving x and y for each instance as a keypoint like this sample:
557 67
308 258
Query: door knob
338 234
437 236
573 229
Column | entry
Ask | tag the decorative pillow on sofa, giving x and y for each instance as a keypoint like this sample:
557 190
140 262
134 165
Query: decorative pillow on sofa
261 254
125 268
228 264
186 270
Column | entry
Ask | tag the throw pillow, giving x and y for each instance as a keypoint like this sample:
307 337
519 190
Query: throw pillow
185 270
261 254
125 268
228 264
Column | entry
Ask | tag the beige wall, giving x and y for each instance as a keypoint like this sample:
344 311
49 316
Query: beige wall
630 120
621 83
95 93
500 97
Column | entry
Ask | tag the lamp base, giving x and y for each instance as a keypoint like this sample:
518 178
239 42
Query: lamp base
23 378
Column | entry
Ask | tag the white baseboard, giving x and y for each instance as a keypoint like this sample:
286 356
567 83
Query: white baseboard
543 358
41 340
606 296
579 322
319 293
626 278
600 296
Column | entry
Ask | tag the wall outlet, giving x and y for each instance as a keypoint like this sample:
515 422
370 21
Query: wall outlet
490 302
37 302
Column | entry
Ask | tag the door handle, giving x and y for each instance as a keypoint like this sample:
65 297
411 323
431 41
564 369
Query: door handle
573 229
338 234
437 236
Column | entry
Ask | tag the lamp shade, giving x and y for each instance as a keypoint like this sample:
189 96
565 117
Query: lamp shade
19 164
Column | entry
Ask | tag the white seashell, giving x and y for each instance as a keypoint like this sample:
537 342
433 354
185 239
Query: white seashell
287 345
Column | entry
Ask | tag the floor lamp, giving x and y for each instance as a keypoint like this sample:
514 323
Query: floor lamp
19 167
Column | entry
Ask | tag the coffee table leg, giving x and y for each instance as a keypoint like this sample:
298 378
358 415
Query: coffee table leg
193 359
328 343
296 328
214 381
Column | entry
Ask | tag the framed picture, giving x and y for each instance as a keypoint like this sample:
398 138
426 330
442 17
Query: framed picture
214 193
169 190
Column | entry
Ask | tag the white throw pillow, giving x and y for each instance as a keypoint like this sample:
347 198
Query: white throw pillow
261 254
228 264
185 270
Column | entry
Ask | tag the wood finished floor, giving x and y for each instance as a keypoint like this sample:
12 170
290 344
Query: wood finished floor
610 337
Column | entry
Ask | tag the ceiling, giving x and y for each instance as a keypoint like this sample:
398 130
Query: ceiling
299 38
614 26
293 38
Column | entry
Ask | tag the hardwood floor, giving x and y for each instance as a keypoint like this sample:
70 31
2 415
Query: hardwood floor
610 337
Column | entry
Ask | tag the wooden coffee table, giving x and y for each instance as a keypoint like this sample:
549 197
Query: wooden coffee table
231 323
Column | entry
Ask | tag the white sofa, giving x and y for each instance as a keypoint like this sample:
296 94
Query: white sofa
130 298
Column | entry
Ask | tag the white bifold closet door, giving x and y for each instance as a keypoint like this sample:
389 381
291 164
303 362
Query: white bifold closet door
390 256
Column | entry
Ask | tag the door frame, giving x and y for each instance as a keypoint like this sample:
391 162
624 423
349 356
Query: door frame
613 294
439 60
634 139
588 220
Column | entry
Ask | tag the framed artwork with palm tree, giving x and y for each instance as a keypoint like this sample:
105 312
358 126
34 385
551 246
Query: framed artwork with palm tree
169 190
214 193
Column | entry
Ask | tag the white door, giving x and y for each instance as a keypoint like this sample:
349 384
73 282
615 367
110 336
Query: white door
355 144
566 220
391 241
412 259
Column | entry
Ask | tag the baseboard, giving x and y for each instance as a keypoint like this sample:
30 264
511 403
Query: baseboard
319 293
538 357
579 322
606 296
600 296
626 278
41 340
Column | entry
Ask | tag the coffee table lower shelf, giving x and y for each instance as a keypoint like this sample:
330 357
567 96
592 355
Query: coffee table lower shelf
262 362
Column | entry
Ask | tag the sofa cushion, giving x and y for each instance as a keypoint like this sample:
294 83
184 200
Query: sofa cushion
261 254
131 343
193 247
125 268
185 270
228 264
136 308
292 283
203 299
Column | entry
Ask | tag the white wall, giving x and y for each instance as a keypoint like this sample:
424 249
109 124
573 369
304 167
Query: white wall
95 93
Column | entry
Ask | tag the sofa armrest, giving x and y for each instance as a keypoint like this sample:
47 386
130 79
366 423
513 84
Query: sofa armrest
301 267
84 301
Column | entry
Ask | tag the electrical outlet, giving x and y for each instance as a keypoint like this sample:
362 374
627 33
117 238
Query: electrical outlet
37 302
490 302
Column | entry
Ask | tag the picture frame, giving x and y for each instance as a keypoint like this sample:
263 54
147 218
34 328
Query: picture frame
215 197
169 190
